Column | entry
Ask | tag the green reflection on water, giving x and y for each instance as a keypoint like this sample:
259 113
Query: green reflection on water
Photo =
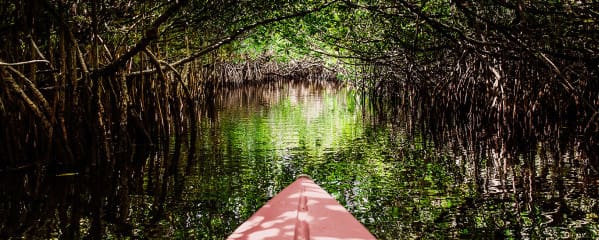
253 149
400 187
395 180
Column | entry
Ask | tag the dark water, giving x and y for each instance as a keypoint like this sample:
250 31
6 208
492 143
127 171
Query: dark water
397 178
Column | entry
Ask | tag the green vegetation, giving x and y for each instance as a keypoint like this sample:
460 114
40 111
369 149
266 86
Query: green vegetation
130 88
398 181
112 73
108 74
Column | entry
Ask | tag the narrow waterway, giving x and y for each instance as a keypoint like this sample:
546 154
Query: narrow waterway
396 178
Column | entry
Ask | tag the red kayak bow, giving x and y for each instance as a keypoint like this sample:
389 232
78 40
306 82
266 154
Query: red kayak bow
303 210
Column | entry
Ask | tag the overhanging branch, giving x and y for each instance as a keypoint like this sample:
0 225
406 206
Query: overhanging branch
150 35
233 37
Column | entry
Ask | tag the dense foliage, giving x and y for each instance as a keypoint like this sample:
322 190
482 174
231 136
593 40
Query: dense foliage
110 73
112 86
107 74
522 66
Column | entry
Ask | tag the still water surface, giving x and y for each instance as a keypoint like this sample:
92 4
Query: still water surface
398 181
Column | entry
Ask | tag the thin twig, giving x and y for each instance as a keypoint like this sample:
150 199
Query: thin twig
24 63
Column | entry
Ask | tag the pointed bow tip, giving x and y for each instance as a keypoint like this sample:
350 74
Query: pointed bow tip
304 176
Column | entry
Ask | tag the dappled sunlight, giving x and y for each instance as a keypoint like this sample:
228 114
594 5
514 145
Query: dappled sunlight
264 234
272 223
179 119
259 227
395 182
251 223
335 208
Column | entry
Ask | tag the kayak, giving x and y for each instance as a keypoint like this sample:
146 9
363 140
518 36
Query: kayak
302 211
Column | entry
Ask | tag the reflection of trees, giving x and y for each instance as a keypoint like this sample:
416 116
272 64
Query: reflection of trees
494 184
403 176
125 198
247 98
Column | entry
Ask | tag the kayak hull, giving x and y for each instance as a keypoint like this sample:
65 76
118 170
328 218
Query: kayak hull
303 210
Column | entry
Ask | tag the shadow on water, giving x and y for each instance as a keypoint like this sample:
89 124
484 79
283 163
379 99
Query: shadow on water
502 180
400 175
37 205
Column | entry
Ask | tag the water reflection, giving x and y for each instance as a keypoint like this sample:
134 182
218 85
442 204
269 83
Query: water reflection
392 171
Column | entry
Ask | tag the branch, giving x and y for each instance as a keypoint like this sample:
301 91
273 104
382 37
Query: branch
245 29
229 39
39 113
23 63
45 106
70 36
180 80
150 35
39 53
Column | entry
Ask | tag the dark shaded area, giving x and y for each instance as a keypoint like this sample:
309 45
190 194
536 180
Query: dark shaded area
398 177
471 119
